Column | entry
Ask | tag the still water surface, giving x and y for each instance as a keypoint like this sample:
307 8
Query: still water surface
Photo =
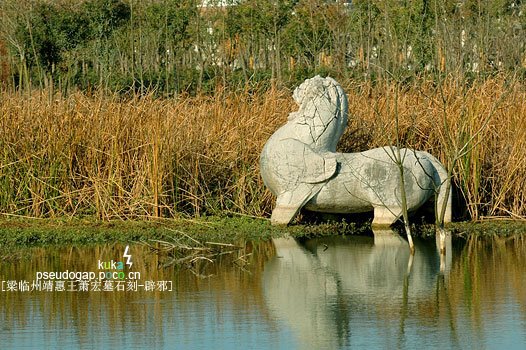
327 293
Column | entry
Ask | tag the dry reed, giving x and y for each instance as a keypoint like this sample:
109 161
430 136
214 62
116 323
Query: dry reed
144 157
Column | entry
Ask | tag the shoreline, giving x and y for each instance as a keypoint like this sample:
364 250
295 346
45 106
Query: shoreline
26 233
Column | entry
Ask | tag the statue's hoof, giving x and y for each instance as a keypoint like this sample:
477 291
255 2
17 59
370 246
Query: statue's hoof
283 215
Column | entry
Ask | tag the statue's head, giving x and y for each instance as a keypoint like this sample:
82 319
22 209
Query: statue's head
309 89
317 88
323 106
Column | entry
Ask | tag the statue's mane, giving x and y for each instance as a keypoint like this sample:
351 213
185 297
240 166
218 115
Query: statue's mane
320 97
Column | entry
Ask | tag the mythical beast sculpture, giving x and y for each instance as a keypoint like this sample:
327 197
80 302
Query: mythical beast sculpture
300 165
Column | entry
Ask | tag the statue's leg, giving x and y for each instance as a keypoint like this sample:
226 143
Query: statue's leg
442 182
289 203
442 196
444 199
283 215
385 216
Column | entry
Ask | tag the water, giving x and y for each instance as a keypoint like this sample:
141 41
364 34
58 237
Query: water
329 293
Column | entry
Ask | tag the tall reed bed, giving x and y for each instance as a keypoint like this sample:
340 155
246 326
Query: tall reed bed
117 157
477 130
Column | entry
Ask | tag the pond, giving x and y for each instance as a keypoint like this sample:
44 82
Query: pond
334 292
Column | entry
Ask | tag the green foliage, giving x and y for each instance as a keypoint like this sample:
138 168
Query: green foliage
172 46
50 32
104 16
308 33
170 20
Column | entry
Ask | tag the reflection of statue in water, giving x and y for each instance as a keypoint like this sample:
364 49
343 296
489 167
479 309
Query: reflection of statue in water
300 165
324 287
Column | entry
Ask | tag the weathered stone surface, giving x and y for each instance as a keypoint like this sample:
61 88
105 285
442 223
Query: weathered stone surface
300 165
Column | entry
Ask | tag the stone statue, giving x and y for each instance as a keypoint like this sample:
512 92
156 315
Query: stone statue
299 164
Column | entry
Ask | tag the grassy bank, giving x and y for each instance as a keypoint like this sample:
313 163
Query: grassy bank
42 232
26 233
141 158
16 233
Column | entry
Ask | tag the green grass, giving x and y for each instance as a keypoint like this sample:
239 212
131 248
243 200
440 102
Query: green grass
25 233
34 232
501 228
21 233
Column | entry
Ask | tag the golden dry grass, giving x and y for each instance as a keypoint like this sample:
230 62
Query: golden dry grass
142 157
487 119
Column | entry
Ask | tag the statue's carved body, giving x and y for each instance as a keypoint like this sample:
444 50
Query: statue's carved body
300 165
